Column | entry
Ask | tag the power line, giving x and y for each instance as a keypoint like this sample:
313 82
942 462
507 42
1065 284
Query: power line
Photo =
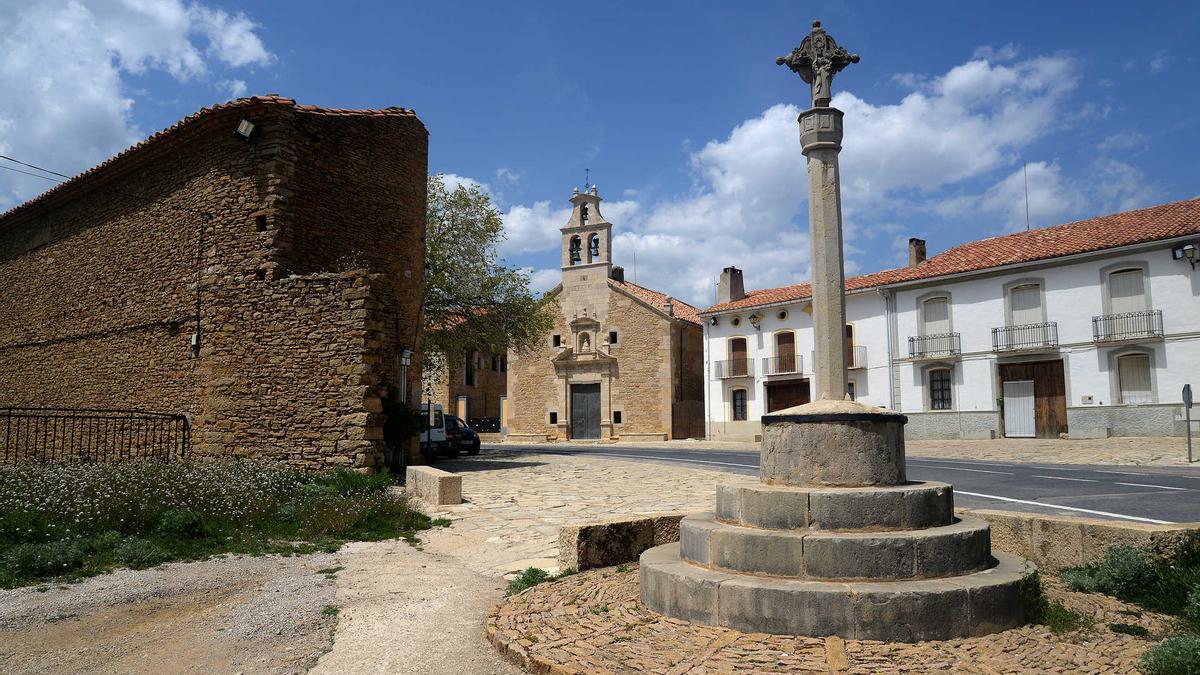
33 166
30 173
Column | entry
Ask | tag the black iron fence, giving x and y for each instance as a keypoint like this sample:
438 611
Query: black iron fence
941 344
742 367
1025 336
92 435
1127 326
785 364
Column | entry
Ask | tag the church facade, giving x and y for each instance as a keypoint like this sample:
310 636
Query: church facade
623 361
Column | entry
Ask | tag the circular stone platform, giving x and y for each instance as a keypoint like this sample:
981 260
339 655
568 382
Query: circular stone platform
594 622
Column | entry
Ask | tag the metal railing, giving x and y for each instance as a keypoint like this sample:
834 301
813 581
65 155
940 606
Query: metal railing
742 367
92 435
786 364
941 344
1025 336
856 357
1127 326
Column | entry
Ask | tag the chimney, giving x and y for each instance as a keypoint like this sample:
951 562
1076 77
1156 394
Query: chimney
670 306
916 251
731 288
617 274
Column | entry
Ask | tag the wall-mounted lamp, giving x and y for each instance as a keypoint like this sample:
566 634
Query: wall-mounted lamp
1185 252
756 321
245 130
712 321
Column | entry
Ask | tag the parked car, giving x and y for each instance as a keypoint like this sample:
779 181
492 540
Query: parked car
435 436
468 438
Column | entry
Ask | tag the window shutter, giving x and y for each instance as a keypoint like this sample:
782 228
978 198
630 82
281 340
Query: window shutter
936 316
1126 290
1026 302
1133 371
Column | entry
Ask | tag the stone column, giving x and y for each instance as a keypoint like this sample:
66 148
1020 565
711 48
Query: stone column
821 141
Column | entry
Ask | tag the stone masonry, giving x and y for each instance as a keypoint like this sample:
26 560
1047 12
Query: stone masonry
306 241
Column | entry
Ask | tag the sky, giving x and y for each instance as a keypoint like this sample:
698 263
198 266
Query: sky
677 109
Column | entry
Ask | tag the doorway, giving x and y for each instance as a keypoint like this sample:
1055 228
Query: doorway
782 395
1043 400
585 411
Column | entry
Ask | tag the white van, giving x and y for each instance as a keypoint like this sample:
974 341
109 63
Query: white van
433 431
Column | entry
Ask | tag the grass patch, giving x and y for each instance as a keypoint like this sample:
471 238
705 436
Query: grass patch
1179 655
440 522
1130 629
622 568
1134 575
532 576
1051 613
329 610
64 522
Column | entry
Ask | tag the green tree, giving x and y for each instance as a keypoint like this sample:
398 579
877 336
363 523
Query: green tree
473 300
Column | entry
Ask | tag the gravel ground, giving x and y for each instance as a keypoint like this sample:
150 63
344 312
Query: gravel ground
235 614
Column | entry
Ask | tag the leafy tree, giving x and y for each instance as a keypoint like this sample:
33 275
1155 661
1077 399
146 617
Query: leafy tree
472 299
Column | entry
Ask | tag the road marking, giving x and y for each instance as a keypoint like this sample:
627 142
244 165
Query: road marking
1124 473
1065 508
951 461
958 468
1160 487
1081 480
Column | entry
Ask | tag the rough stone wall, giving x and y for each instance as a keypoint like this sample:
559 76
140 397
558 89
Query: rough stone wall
643 390
534 388
299 337
483 398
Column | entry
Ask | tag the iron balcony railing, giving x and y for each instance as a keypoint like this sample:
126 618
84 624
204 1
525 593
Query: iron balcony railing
941 344
742 367
786 364
856 356
1127 326
92 435
1025 336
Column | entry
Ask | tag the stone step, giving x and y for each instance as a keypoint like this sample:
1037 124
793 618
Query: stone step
912 506
959 548
980 603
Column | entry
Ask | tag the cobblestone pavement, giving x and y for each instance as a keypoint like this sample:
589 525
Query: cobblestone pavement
517 503
1138 451
594 622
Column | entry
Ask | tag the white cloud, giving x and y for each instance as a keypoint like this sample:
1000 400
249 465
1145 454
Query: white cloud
67 105
453 181
988 53
532 228
235 88
506 174
1125 140
543 280
1159 62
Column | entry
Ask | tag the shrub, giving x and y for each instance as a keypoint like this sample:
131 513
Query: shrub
1179 655
528 578
1191 611
1124 572
139 554
180 524
1051 613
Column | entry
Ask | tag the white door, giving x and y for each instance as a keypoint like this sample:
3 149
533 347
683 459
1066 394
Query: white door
1018 409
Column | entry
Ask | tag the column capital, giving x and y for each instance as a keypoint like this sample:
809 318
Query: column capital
820 128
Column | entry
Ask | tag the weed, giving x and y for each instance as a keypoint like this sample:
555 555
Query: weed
440 522
622 568
1134 575
528 578
1130 629
599 609
1179 655
1051 613
530 637
331 572
329 610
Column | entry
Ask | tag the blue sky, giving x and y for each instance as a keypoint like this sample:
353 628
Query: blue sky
677 108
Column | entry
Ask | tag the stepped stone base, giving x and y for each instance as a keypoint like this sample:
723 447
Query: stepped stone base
973 604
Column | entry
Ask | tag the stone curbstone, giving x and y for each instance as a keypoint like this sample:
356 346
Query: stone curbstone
433 486
604 543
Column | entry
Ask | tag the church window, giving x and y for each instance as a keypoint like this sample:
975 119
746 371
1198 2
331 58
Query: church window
576 250
593 247
556 340
612 338
469 379
553 418
616 417
583 213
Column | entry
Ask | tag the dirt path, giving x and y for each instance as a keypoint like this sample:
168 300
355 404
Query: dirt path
261 615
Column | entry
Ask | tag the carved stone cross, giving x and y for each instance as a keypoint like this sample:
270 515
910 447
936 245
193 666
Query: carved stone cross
816 61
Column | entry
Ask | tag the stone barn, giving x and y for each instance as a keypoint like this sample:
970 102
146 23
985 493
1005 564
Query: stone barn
256 266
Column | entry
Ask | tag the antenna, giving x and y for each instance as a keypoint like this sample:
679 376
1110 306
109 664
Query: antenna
1025 170
587 177
635 265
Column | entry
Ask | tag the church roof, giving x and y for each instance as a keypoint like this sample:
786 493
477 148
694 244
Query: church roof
658 300
1154 223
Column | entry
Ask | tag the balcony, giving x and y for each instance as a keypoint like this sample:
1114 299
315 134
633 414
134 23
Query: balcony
1025 337
787 364
856 357
742 367
934 346
1128 326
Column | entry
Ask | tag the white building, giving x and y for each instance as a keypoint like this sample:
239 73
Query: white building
1089 329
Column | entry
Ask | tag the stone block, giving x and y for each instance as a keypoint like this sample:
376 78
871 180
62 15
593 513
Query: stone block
856 509
677 589
614 541
833 443
1057 543
923 610
876 556
778 553
929 507
957 549
433 486
757 605
777 509
1011 531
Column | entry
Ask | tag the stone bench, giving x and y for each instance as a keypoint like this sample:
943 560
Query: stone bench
433 486
604 543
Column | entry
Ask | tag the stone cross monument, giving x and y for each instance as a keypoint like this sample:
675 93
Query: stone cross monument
817 60
834 540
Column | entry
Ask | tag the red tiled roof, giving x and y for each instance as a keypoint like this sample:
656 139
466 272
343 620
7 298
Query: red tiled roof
1154 223
193 120
658 300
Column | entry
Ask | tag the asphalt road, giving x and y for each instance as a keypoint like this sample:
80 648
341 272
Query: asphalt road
1145 494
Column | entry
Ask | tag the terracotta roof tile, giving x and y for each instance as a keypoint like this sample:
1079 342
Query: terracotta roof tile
659 300
190 121
1154 223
